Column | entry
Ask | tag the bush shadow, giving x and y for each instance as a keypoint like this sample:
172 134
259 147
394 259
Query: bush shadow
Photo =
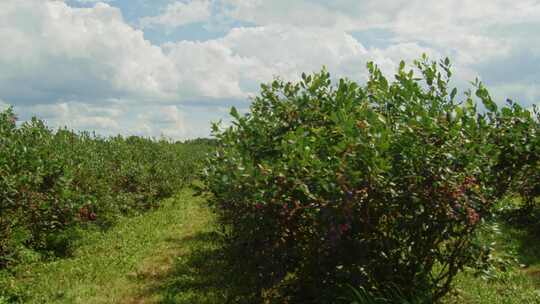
525 224
202 275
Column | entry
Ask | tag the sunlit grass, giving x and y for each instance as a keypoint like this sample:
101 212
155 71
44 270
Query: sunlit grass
517 243
174 255
106 268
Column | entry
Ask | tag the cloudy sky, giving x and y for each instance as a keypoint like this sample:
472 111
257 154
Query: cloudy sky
169 67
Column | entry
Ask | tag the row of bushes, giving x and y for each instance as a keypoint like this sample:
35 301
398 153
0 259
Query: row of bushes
52 183
378 186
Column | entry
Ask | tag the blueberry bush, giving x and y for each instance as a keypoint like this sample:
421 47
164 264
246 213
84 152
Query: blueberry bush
54 183
516 133
321 185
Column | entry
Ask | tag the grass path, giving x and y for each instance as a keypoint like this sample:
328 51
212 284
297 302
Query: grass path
131 263
173 255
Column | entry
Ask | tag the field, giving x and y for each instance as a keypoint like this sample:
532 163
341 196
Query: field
388 192
58 188
172 255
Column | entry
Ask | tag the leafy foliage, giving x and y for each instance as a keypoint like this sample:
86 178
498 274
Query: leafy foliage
54 183
516 133
362 296
322 185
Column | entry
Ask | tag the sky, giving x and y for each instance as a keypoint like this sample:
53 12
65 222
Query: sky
169 68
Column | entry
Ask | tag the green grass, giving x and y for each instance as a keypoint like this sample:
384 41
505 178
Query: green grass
517 246
174 255
511 287
110 267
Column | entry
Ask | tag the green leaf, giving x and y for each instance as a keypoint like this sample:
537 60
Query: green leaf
453 93
234 113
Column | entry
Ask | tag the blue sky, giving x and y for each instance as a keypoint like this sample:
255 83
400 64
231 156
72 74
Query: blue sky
169 67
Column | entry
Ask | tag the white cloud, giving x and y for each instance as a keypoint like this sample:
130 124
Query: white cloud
88 1
470 32
460 27
93 1
179 13
88 68
3 105
522 93
113 118
76 65
74 115
59 52
210 68
234 66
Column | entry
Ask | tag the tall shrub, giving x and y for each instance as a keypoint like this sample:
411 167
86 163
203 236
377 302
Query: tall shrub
516 134
54 182
377 185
